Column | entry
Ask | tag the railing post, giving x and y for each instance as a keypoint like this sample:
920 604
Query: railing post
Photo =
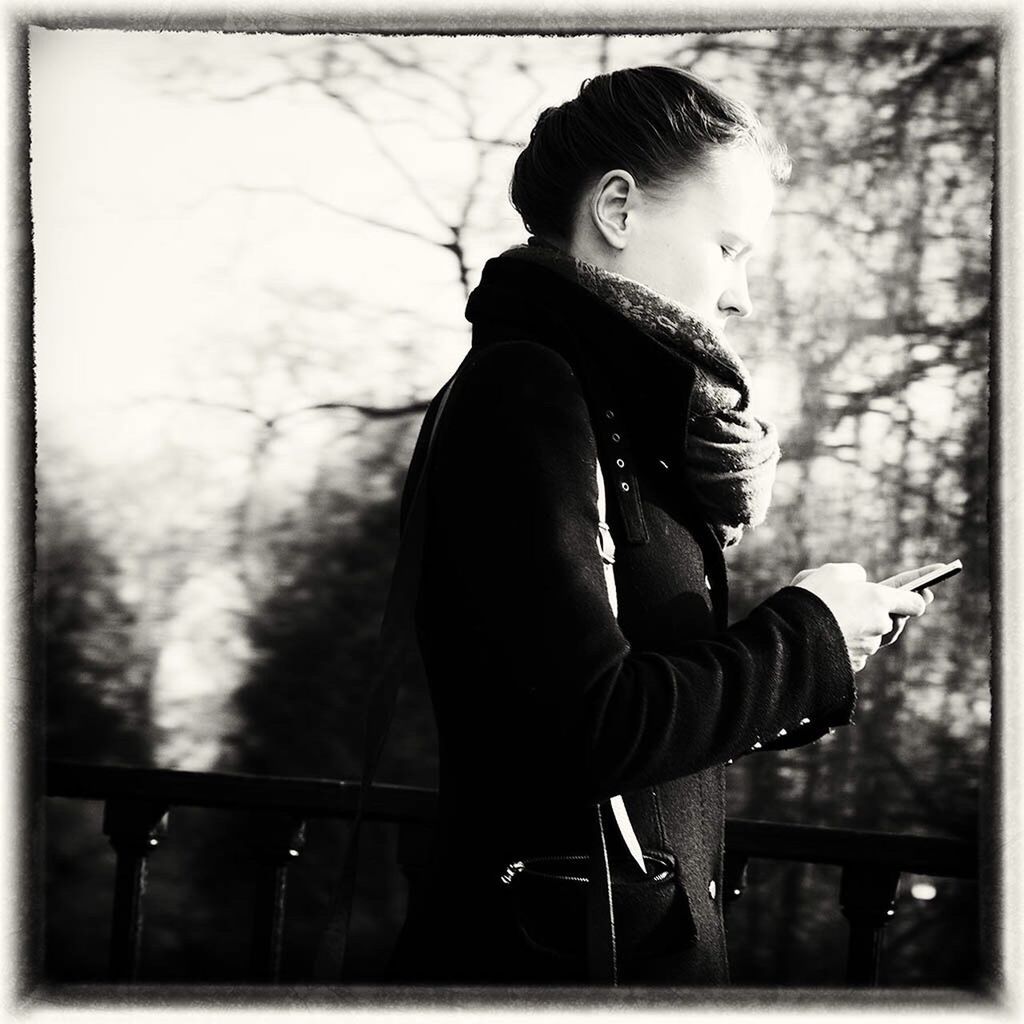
735 877
134 828
867 896
281 842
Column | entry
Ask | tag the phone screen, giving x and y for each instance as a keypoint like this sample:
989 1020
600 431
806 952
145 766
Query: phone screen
935 576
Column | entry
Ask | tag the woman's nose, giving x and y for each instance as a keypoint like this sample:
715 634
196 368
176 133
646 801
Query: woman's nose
735 300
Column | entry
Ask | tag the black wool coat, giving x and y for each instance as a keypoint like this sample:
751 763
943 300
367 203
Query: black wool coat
545 702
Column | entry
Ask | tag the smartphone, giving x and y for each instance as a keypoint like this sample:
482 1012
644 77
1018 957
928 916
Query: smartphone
935 576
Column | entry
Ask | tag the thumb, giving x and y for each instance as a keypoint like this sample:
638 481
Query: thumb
910 575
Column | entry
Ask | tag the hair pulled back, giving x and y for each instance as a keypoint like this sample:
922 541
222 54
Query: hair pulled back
655 122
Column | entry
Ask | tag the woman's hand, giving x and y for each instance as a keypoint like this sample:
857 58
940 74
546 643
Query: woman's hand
899 621
867 613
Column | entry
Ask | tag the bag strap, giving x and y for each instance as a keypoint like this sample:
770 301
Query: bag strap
602 955
606 547
399 657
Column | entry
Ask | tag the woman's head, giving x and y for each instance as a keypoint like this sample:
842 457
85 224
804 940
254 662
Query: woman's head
640 170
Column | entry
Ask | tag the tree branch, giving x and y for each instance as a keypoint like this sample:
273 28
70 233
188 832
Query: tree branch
298 193
204 403
258 90
385 153
407 65
374 412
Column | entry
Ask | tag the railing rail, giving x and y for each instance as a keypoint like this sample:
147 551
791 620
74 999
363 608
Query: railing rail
922 855
308 798
137 802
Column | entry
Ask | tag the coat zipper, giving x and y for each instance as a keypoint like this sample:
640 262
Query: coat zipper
518 867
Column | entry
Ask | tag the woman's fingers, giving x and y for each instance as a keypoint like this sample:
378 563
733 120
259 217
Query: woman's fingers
866 645
898 622
902 602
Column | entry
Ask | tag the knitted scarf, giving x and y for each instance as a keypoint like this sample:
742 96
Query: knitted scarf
731 455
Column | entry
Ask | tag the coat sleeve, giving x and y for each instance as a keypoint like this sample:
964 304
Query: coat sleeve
514 491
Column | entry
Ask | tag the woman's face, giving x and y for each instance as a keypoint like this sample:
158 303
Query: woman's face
691 241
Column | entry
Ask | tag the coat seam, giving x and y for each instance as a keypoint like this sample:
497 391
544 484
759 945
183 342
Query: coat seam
656 800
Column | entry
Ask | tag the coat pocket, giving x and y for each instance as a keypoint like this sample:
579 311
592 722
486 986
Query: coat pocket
548 897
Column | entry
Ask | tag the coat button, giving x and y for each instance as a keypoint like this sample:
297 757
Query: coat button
712 889
805 721
756 746
620 463
616 438
707 583
609 414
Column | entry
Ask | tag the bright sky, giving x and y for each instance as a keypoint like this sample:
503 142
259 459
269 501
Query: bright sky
147 258
156 276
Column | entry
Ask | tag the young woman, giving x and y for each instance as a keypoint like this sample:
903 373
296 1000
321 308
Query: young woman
601 341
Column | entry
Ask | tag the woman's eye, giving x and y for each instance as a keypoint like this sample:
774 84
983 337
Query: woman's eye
728 253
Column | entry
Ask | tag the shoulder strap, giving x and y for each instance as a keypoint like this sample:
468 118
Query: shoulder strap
400 657
605 541
606 545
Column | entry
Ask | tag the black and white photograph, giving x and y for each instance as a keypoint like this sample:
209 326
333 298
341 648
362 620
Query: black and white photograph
518 511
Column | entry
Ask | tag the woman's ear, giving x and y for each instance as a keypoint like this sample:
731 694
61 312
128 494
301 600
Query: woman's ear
613 204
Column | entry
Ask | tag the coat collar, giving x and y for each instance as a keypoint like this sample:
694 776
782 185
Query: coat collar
617 362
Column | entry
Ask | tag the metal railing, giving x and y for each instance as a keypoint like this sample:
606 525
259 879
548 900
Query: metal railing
872 863
137 802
